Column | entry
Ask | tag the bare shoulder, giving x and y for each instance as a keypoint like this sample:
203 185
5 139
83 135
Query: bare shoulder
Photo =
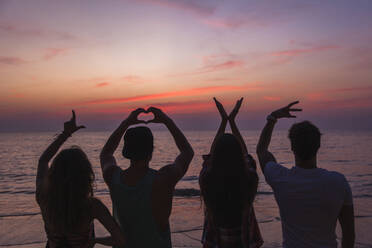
167 176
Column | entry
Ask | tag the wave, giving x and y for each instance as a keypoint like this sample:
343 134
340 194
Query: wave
18 215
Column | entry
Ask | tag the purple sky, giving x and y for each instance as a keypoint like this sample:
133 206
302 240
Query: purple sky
104 58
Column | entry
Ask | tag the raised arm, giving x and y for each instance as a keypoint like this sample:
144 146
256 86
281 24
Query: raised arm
69 128
222 127
183 160
107 158
234 128
264 156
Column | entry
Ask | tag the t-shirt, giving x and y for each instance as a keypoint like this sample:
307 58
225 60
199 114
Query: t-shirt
309 201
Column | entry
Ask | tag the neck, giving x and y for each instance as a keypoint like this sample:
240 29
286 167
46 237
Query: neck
139 164
306 164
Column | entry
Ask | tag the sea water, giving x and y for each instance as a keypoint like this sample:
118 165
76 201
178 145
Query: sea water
21 225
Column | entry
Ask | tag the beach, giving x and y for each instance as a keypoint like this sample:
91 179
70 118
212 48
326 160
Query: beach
21 224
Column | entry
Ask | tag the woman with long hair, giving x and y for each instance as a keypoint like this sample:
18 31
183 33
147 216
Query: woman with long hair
64 193
228 183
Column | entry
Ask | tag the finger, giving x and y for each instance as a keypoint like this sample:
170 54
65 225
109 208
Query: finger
139 110
295 109
73 115
152 109
292 103
80 127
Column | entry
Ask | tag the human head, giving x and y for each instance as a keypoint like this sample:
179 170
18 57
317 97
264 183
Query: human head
227 150
138 144
305 140
68 189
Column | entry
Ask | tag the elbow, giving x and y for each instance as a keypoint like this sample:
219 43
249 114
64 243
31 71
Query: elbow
190 153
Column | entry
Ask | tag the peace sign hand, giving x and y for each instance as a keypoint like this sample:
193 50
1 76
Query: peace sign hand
286 111
70 126
221 109
235 111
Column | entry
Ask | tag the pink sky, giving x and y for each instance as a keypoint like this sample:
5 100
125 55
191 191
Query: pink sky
104 58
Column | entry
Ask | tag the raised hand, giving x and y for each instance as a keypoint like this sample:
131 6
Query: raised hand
286 111
235 111
159 115
221 109
70 126
133 116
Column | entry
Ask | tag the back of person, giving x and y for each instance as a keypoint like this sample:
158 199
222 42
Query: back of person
310 201
142 197
77 237
64 192
132 207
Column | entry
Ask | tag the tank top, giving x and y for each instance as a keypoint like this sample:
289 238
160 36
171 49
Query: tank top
132 210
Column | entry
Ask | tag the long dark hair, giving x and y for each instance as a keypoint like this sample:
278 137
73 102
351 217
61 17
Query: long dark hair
68 190
227 187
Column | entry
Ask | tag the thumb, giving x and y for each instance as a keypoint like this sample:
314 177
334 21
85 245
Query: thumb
80 127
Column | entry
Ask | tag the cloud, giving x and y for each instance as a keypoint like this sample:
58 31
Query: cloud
221 66
12 29
272 98
214 63
297 52
12 60
51 53
328 94
103 84
194 7
223 23
188 92
133 79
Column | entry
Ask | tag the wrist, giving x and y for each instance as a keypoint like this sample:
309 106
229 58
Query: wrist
66 134
167 121
271 118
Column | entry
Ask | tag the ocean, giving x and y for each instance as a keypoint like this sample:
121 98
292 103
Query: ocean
21 225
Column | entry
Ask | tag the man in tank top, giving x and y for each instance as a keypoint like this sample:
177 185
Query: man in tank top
141 196
310 199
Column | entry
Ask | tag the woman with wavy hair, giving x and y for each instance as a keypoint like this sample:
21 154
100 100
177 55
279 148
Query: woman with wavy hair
64 193
228 183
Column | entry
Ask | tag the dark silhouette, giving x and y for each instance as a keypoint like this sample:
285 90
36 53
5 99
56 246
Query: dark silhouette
310 199
142 197
64 193
228 183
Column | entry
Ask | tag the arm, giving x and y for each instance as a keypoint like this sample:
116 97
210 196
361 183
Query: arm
181 164
43 165
235 129
107 158
346 219
102 214
221 129
264 156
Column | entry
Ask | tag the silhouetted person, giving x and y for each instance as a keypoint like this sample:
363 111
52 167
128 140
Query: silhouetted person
64 193
228 183
310 199
142 197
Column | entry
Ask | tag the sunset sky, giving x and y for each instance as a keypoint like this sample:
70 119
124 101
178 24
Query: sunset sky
105 58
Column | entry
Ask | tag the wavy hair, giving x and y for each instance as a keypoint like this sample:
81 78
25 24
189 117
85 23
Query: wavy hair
68 190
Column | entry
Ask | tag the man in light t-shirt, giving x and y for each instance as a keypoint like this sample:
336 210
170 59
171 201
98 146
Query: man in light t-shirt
310 199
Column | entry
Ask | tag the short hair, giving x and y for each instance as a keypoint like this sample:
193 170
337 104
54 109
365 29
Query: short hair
305 139
138 143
